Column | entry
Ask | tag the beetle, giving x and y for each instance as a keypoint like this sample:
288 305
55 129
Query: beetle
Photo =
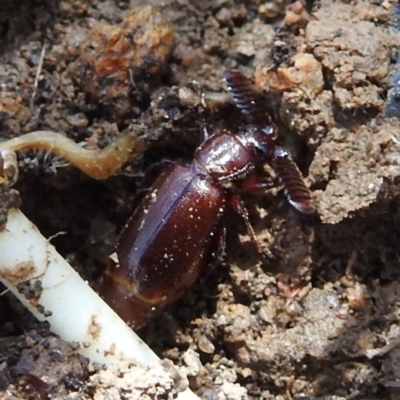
178 228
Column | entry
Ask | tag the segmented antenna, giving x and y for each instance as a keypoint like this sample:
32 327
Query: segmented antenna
292 181
249 102
245 97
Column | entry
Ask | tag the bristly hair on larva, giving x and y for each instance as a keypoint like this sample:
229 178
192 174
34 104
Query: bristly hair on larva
41 160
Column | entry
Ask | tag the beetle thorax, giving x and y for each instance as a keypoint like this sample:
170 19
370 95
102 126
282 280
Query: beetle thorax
224 157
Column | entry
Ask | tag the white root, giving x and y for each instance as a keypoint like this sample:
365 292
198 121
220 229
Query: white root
74 311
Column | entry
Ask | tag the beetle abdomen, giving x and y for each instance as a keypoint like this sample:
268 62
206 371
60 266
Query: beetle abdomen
168 241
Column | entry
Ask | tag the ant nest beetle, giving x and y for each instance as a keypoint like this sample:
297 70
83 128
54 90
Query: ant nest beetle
178 229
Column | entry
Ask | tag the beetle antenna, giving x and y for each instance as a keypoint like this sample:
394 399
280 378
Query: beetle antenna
246 98
292 181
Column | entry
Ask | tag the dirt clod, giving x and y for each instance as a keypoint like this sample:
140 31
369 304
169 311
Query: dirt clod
115 60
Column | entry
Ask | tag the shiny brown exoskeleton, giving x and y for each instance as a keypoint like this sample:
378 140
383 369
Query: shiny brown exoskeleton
176 231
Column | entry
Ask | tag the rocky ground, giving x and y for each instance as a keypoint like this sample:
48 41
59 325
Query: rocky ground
321 320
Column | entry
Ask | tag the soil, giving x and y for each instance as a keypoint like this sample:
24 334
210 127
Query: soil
320 320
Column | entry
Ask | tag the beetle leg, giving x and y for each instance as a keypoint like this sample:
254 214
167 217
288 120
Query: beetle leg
239 207
150 175
220 243
218 252
257 184
205 130
218 249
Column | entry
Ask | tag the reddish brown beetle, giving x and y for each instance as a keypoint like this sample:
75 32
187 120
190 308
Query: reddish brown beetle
175 232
